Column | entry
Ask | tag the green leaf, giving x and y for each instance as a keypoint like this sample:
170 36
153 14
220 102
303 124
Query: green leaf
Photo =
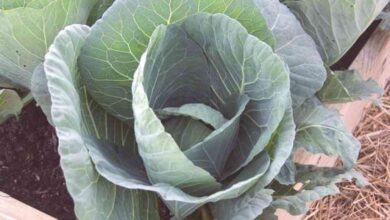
186 131
257 126
248 206
113 163
75 115
12 4
335 25
296 48
212 153
197 111
347 86
254 201
40 91
27 30
10 104
317 183
287 173
279 148
321 130
116 43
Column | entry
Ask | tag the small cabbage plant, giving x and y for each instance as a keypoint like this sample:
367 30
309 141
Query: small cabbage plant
201 105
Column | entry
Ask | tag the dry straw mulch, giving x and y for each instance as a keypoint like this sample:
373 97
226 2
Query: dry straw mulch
373 201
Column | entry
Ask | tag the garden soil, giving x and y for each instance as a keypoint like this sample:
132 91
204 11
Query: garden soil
29 164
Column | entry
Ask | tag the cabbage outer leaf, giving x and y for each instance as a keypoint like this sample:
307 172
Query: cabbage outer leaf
317 183
321 130
28 28
335 25
76 115
296 48
116 43
40 91
248 206
347 86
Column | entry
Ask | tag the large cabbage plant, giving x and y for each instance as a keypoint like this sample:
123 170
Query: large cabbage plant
201 105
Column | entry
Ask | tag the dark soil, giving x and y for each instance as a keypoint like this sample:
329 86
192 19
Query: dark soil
29 164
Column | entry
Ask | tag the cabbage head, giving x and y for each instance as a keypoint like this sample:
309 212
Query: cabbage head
200 106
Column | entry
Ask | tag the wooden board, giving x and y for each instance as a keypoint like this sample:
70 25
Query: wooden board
12 209
372 61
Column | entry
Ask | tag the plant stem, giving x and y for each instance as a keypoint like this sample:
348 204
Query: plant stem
205 213
27 99
202 213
